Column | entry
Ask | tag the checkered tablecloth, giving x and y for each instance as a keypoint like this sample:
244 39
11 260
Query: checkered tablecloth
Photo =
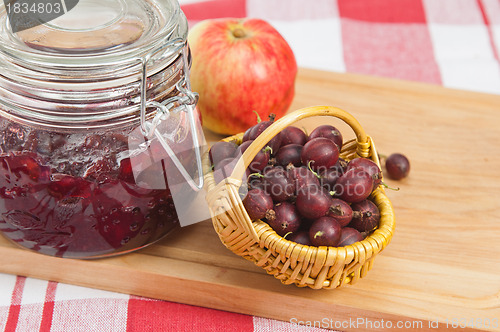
454 43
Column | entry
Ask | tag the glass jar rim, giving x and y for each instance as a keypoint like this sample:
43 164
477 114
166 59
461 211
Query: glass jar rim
56 87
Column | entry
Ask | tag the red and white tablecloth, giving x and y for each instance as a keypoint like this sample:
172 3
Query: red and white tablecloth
454 43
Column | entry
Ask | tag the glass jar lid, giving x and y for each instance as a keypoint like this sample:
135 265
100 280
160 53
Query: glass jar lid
98 35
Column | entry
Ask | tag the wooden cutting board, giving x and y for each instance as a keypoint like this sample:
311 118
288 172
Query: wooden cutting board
442 265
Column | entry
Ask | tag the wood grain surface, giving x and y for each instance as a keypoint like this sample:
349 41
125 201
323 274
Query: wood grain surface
443 263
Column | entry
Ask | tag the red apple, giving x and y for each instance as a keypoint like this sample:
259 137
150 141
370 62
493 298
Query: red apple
240 66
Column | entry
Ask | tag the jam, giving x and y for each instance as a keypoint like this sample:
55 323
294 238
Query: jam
74 195
94 118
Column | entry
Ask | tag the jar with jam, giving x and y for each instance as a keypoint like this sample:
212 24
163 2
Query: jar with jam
95 106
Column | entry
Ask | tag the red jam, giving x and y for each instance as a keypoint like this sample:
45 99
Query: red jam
74 195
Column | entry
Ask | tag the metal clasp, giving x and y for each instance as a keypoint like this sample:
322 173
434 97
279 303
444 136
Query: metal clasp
185 101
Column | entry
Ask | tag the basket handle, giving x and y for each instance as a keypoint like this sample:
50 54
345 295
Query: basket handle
362 140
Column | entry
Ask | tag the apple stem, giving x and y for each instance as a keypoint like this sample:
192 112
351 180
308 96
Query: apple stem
239 33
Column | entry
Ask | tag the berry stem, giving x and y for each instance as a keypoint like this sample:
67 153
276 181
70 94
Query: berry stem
257 174
309 166
318 233
388 187
268 149
259 120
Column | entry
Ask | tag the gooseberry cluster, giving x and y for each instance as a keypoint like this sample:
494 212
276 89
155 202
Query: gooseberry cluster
301 186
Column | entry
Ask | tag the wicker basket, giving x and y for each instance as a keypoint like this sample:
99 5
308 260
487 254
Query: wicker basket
292 263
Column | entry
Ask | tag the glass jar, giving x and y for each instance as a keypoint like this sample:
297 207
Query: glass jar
94 106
